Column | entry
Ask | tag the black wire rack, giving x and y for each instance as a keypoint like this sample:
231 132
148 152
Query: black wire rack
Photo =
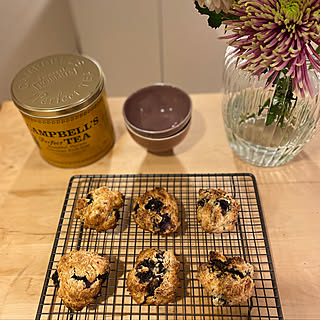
190 244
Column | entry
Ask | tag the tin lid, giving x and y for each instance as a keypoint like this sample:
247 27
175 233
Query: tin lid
57 85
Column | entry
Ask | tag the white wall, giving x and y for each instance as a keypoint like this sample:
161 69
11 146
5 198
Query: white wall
137 42
193 54
31 29
123 36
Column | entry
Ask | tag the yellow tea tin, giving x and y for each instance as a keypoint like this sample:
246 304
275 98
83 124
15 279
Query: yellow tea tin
63 102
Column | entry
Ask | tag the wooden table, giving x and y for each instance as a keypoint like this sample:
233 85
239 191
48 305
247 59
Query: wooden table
32 193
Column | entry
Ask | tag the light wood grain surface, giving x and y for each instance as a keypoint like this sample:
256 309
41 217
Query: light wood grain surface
32 193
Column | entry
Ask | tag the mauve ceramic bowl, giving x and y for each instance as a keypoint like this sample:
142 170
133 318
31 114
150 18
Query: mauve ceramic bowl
157 111
160 145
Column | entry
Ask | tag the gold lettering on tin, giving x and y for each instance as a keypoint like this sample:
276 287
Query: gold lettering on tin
61 73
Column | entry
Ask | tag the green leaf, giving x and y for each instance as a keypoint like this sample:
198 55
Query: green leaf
272 114
283 101
215 19
264 106
245 117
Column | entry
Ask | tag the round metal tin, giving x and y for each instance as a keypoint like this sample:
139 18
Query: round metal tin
57 85
63 102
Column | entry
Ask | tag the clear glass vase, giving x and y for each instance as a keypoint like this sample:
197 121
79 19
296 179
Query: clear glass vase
255 134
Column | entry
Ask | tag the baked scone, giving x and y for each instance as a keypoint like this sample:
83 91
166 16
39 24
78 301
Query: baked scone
100 209
228 280
79 276
157 211
154 278
217 211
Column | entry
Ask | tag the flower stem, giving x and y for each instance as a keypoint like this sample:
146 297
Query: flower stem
283 102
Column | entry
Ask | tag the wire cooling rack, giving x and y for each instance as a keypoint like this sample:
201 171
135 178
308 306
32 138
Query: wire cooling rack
190 244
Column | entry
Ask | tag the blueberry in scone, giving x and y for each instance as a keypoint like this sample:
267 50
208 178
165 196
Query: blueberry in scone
154 278
79 276
217 211
157 211
228 280
99 210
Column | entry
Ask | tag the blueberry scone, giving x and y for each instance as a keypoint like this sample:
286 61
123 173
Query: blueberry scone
154 278
79 276
217 211
228 280
100 209
156 211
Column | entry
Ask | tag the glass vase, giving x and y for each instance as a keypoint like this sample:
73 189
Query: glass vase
261 126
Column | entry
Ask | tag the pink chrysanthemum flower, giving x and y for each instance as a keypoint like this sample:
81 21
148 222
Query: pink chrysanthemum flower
271 35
